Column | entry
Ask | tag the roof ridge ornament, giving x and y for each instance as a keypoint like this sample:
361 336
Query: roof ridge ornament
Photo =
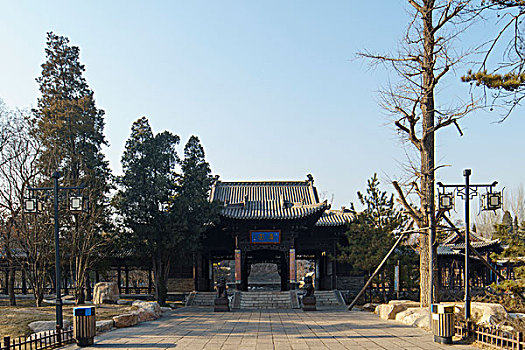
309 178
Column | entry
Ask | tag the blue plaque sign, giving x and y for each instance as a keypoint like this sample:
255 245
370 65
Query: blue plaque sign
265 237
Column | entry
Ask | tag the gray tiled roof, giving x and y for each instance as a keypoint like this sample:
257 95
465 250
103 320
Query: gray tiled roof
456 241
275 200
334 218
454 244
281 200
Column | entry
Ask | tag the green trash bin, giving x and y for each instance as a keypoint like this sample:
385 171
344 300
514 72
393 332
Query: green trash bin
84 325
443 323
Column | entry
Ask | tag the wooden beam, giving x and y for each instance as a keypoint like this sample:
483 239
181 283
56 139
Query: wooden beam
352 304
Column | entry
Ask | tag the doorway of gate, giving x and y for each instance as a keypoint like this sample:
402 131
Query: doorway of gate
266 270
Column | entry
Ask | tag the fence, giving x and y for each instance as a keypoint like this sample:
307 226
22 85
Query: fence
46 340
491 336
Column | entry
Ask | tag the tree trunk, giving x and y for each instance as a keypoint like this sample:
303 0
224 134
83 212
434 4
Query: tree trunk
11 284
37 278
87 283
160 274
427 155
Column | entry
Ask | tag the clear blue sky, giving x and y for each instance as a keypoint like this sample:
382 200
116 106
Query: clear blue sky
271 87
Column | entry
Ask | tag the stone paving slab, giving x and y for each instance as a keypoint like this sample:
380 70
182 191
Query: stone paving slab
201 328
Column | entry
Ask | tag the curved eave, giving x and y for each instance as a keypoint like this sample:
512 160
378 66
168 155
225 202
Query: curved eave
294 213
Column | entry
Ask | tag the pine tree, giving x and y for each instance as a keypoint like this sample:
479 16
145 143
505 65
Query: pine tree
194 190
505 77
507 221
148 199
70 129
513 243
371 234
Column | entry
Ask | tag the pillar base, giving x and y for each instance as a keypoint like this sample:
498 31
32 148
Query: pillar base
221 305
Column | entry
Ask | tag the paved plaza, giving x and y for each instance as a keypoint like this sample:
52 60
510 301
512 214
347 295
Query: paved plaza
201 328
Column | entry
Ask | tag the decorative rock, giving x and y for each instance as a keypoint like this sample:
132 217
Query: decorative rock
165 309
64 301
124 302
144 315
42 326
415 316
125 320
389 311
150 306
516 316
486 313
105 293
406 303
146 310
507 329
103 326
370 306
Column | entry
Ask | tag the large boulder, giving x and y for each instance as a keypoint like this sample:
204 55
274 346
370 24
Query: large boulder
165 309
487 314
126 320
103 326
43 326
406 303
105 293
146 310
516 316
415 316
389 311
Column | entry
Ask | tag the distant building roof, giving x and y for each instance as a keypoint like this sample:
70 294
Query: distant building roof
457 241
335 218
275 200
454 244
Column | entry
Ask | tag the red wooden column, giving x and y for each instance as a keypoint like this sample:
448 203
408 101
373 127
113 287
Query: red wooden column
293 269
238 269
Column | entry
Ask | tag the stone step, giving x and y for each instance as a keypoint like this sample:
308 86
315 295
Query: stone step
265 300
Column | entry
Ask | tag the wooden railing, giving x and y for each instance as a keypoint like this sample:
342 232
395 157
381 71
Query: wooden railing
45 340
491 336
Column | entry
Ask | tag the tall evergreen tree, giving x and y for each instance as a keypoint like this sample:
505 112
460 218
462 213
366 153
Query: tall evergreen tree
70 129
148 198
194 189
370 235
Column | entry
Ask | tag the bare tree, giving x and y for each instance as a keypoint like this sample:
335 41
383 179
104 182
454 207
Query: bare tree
425 57
515 202
27 238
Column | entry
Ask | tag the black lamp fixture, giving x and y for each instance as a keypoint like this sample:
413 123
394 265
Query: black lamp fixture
76 203
491 200
446 201
30 205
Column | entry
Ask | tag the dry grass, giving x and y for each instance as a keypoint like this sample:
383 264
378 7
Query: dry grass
14 320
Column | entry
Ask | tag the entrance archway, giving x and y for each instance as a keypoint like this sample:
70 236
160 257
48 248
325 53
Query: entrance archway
266 270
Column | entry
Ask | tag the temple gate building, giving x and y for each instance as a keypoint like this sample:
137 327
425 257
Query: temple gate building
273 222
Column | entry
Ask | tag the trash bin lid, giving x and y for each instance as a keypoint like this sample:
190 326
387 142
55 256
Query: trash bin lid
84 311
442 309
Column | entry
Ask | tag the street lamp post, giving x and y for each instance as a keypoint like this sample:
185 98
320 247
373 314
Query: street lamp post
32 205
490 201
